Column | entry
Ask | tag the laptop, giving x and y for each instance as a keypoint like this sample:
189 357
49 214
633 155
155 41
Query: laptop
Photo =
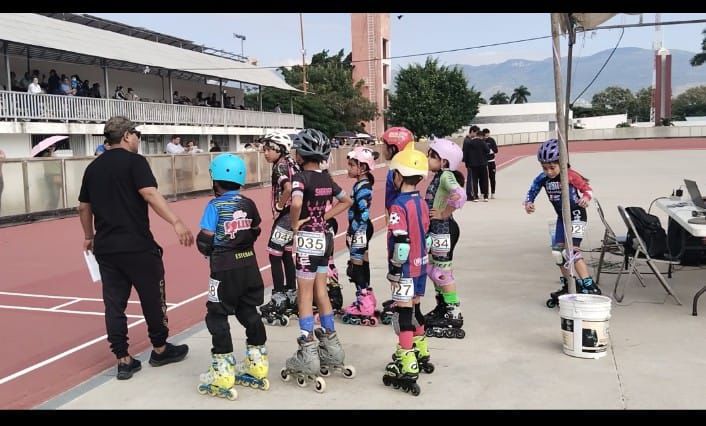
695 194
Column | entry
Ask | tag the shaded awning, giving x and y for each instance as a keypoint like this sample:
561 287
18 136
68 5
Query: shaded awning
44 32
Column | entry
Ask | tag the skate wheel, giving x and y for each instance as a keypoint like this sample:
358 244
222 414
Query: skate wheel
254 385
395 385
284 375
265 384
551 303
386 380
428 368
301 381
232 394
415 389
324 371
373 322
460 334
345 319
429 332
348 371
269 320
319 385
448 333
284 321
203 389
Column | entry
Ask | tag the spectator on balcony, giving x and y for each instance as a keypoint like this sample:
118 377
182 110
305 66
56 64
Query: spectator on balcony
213 101
174 146
200 100
85 89
132 96
241 107
278 109
193 148
14 85
100 149
95 91
119 94
54 83
76 83
214 147
66 88
34 88
24 83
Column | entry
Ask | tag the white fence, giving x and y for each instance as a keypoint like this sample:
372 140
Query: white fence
604 134
24 106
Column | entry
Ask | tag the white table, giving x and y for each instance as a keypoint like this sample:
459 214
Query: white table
680 210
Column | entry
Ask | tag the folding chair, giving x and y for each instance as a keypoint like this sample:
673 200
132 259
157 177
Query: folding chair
641 254
611 244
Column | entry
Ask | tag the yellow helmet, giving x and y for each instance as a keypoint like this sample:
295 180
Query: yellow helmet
410 162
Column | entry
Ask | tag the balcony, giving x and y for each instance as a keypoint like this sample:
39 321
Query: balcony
21 106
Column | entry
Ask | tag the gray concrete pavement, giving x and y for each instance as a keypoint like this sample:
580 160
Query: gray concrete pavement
512 355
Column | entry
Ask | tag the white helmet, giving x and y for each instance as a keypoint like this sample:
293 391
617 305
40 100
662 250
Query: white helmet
281 139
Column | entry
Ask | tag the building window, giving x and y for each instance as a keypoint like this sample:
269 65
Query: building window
385 48
385 73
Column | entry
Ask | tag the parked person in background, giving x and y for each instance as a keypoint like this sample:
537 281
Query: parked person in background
54 83
66 87
132 96
116 189
24 83
278 109
214 147
95 91
493 147
475 156
100 149
119 93
52 177
192 148
174 146
34 88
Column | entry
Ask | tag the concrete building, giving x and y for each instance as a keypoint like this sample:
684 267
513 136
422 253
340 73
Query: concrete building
516 118
370 38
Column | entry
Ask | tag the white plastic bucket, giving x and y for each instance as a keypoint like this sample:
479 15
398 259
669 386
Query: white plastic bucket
584 324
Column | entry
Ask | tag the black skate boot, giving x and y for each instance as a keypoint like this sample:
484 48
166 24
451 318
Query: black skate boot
275 311
587 286
448 326
554 296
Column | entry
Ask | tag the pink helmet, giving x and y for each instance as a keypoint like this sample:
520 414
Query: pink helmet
448 151
364 155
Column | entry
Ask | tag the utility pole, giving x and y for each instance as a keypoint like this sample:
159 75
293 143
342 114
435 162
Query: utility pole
301 30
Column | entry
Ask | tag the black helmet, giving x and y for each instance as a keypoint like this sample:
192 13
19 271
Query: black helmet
312 143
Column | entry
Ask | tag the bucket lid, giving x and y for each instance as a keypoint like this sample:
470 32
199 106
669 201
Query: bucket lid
577 298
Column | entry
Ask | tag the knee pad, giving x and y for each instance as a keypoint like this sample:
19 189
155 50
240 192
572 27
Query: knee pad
577 254
402 320
440 277
558 256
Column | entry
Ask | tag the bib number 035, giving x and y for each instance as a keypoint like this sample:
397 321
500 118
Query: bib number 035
310 243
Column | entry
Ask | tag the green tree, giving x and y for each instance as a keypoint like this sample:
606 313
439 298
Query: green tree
643 104
334 103
432 99
690 103
614 100
499 98
700 58
520 95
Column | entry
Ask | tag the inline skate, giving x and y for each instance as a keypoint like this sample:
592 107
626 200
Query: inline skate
253 370
220 378
449 325
362 310
331 354
388 311
275 312
403 371
304 365
421 350
553 300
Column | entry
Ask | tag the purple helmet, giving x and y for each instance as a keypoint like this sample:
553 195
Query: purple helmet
448 151
548 151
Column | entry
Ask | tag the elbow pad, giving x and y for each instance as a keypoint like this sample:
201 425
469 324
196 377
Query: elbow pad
204 243
457 204
428 241
401 249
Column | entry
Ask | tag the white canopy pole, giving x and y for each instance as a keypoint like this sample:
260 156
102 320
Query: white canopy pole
561 131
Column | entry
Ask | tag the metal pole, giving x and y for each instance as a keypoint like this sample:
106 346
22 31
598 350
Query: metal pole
259 95
28 64
572 41
220 87
171 89
25 181
301 30
105 79
291 104
7 65
565 211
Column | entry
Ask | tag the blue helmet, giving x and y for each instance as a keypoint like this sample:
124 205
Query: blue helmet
548 151
228 167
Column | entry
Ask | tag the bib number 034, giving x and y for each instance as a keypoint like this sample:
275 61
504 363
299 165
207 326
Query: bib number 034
310 243
440 243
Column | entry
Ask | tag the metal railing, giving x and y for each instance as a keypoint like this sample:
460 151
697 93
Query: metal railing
25 106
33 186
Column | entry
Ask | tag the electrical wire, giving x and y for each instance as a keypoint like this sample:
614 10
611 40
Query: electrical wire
622 31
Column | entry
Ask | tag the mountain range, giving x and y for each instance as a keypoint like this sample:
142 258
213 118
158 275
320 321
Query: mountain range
630 67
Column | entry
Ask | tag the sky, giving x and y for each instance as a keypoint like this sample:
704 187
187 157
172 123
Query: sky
274 38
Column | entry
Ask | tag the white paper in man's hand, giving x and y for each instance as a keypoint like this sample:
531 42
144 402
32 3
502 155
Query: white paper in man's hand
92 266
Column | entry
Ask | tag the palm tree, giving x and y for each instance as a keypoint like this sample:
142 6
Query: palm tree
700 58
519 95
499 98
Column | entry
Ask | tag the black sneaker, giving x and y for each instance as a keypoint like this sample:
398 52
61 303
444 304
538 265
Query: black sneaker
125 371
171 354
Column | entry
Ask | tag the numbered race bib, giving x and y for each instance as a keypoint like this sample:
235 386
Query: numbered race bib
403 291
578 229
310 243
213 290
359 240
440 244
281 236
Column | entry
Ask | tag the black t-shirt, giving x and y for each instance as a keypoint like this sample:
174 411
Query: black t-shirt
110 184
318 190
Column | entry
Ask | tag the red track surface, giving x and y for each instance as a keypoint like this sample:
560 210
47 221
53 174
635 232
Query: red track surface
44 258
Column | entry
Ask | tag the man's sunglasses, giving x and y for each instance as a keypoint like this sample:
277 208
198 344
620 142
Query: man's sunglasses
135 132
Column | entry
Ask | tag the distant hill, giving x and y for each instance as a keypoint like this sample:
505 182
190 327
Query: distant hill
630 67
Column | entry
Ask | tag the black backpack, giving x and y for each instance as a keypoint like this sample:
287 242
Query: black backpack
650 230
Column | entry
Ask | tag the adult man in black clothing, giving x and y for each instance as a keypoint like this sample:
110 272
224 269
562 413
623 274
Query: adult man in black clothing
491 160
116 189
475 156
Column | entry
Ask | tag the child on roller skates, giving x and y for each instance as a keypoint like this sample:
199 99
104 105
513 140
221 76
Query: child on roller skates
395 139
229 228
312 191
444 195
580 194
407 254
361 162
276 147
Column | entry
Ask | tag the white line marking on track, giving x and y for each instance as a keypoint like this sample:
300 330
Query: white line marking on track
72 298
70 351
64 311
71 302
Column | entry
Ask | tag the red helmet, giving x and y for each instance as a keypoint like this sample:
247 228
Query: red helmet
398 137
